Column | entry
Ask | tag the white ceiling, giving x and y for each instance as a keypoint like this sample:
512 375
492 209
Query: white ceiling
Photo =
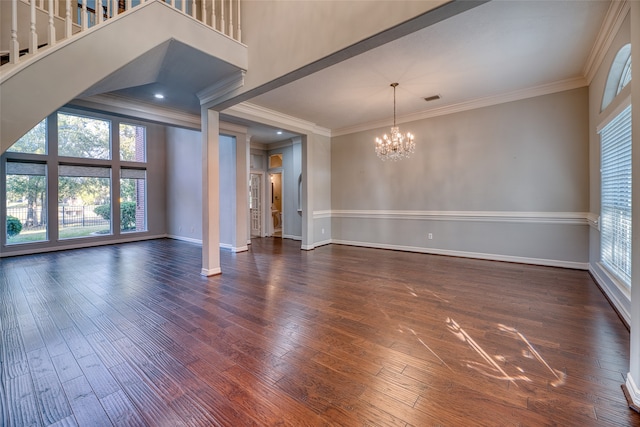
491 50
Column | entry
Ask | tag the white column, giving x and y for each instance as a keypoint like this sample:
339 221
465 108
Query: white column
242 193
307 196
633 377
210 193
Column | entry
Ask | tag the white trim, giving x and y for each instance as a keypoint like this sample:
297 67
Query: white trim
221 88
230 127
280 144
292 237
476 255
85 244
322 243
258 112
517 95
143 110
240 249
322 214
210 272
620 107
593 220
616 15
226 246
185 239
570 218
633 389
618 293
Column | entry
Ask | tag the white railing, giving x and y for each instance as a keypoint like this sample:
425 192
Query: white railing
38 24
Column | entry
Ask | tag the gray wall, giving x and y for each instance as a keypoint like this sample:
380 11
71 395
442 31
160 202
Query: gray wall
184 184
320 152
503 182
227 190
291 168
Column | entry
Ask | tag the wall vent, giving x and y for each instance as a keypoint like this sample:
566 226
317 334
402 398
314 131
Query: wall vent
432 98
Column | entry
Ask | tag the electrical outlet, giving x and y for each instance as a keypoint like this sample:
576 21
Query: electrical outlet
323 231
430 236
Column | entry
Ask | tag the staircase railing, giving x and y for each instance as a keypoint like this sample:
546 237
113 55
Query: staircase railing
38 24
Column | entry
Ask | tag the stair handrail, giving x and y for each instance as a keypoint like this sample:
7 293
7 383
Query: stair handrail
218 19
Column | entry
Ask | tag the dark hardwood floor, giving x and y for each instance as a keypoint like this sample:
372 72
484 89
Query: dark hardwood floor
132 335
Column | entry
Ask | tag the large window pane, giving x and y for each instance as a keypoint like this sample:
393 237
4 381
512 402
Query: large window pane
26 202
84 201
33 142
615 225
133 145
83 137
133 215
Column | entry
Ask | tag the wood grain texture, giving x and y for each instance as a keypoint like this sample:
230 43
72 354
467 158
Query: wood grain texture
132 335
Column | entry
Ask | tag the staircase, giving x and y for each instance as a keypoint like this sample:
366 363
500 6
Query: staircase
51 51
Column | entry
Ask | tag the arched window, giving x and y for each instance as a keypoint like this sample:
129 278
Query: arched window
619 75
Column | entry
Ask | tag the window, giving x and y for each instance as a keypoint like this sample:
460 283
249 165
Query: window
33 142
616 196
74 158
619 75
84 201
132 143
133 216
26 202
83 137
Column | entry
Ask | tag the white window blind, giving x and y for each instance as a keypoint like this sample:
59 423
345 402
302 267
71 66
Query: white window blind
616 196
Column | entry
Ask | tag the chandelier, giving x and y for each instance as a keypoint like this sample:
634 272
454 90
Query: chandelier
398 145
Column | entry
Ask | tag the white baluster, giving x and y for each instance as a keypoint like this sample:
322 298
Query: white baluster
83 18
99 11
222 26
14 52
213 14
230 18
239 35
183 6
173 3
128 7
193 8
33 35
204 12
56 8
114 9
52 28
67 20
41 4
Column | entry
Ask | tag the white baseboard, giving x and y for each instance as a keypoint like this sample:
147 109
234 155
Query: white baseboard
210 271
620 301
240 249
477 255
185 239
292 237
634 391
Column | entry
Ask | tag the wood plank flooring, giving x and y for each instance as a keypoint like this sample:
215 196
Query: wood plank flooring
132 335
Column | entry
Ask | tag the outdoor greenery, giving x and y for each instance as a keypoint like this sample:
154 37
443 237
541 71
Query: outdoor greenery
14 226
127 214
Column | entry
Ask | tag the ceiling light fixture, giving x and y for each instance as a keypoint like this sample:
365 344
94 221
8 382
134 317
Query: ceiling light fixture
279 132
159 95
398 145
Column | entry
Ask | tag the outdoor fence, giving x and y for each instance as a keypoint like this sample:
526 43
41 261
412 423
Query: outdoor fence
68 216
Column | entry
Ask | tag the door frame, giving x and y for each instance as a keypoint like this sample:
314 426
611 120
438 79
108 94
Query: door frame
269 195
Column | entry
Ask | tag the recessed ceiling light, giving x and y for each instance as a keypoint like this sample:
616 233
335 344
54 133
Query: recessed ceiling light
159 96
279 132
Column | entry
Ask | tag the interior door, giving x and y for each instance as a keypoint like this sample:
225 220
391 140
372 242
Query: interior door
255 204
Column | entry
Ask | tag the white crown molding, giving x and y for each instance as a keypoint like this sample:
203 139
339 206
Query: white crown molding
475 255
571 218
221 88
258 113
616 14
143 110
281 144
593 220
546 89
231 127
